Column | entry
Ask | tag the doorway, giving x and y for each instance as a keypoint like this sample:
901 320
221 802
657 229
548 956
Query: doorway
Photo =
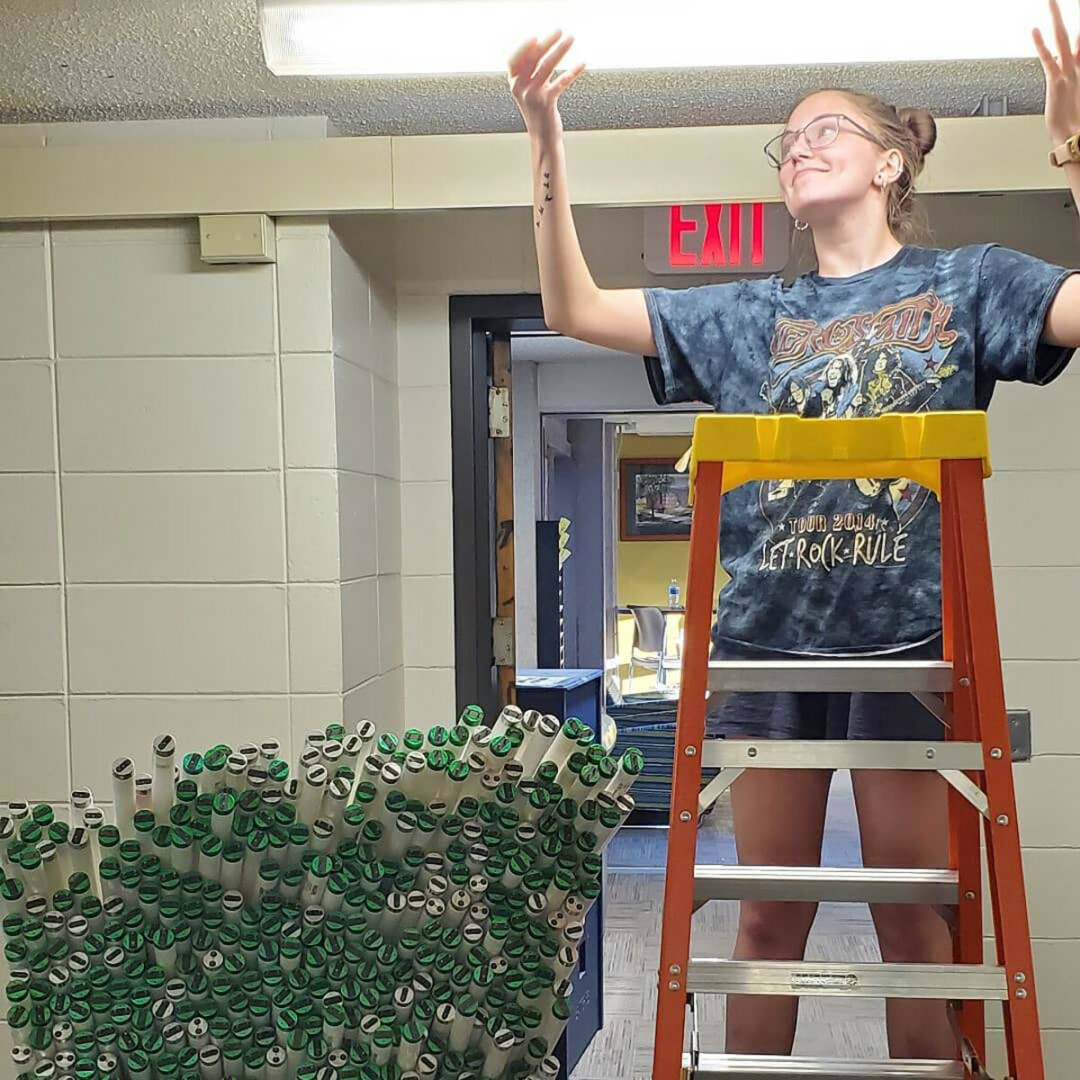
576 412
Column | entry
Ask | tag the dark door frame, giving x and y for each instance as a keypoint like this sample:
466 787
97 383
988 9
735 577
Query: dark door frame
474 322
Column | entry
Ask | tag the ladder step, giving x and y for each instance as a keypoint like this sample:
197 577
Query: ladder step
841 754
744 1067
841 885
867 676
941 981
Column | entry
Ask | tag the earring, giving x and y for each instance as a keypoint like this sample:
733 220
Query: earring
879 180
801 225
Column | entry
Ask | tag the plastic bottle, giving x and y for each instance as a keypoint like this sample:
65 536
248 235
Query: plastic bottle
673 593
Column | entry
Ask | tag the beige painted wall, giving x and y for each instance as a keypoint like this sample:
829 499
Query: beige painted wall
190 472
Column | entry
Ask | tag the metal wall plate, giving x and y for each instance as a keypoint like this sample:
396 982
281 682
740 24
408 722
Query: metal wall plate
1020 734
503 640
499 412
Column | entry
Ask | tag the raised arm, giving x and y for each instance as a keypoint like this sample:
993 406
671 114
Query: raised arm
573 304
1062 71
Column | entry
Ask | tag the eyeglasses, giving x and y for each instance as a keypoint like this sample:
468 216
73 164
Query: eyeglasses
820 132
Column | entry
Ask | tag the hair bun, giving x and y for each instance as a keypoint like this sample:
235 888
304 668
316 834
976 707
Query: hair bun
921 124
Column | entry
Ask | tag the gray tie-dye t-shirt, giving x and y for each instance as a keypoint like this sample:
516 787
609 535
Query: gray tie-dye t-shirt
831 567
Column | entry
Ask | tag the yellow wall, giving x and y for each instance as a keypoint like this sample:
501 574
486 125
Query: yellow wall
645 567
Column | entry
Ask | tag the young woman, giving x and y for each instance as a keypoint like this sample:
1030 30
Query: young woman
882 325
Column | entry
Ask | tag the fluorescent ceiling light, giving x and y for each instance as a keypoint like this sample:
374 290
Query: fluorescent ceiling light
428 37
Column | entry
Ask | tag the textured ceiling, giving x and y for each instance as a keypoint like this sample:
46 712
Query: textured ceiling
153 59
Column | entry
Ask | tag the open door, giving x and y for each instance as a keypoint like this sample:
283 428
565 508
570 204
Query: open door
500 425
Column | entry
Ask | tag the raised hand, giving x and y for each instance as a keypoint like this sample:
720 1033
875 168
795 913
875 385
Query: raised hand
530 72
1062 79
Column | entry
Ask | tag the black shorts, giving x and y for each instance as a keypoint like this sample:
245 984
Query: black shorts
818 715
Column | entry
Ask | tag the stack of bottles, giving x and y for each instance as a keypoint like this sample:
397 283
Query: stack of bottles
394 908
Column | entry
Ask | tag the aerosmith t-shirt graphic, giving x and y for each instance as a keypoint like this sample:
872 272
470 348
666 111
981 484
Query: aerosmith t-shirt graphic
891 360
840 566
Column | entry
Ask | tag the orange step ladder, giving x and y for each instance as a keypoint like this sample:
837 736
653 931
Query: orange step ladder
948 453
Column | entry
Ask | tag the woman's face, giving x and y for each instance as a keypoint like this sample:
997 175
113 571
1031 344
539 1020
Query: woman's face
819 183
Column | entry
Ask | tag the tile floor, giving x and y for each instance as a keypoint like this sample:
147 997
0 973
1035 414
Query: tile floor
623 1049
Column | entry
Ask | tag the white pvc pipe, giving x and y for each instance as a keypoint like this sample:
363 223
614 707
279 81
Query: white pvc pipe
162 795
123 780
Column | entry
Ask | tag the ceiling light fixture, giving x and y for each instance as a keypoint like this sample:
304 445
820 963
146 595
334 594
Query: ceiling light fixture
436 37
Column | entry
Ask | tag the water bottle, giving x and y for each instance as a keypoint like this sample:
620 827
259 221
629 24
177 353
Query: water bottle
673 594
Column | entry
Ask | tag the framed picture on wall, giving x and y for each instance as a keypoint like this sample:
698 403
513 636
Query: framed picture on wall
654 500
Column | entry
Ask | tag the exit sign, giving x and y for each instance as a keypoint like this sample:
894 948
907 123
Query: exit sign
717 238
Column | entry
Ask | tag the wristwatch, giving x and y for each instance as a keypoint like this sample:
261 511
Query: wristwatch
1067 153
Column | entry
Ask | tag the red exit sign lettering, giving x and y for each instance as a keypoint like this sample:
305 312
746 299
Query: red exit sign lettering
717 238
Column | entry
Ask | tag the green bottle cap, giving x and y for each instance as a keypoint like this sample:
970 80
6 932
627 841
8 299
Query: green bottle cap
186 792
217 756
130 852
472 716
12 890
249 801
547 772
438 736
458 771
232 852
501 747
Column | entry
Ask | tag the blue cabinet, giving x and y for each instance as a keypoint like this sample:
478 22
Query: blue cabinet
575 692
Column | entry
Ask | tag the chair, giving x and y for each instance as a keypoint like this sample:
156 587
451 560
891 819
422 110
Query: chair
649 645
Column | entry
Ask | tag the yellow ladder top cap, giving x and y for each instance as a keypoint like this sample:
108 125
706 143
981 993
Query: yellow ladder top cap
895 444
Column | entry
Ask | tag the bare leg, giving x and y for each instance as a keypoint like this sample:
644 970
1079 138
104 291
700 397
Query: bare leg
903 822
779 817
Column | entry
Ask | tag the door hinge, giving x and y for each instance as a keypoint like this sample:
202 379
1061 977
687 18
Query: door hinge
502 636
499 412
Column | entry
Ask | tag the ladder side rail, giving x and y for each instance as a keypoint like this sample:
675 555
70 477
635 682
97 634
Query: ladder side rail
686 775
965 848
963 480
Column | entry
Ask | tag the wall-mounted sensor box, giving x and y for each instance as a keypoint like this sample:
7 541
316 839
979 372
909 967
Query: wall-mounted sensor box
237 238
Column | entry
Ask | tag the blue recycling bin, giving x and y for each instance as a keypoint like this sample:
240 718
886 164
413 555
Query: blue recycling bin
564 692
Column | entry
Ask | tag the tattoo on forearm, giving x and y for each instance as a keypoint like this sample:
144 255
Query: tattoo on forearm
546 199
